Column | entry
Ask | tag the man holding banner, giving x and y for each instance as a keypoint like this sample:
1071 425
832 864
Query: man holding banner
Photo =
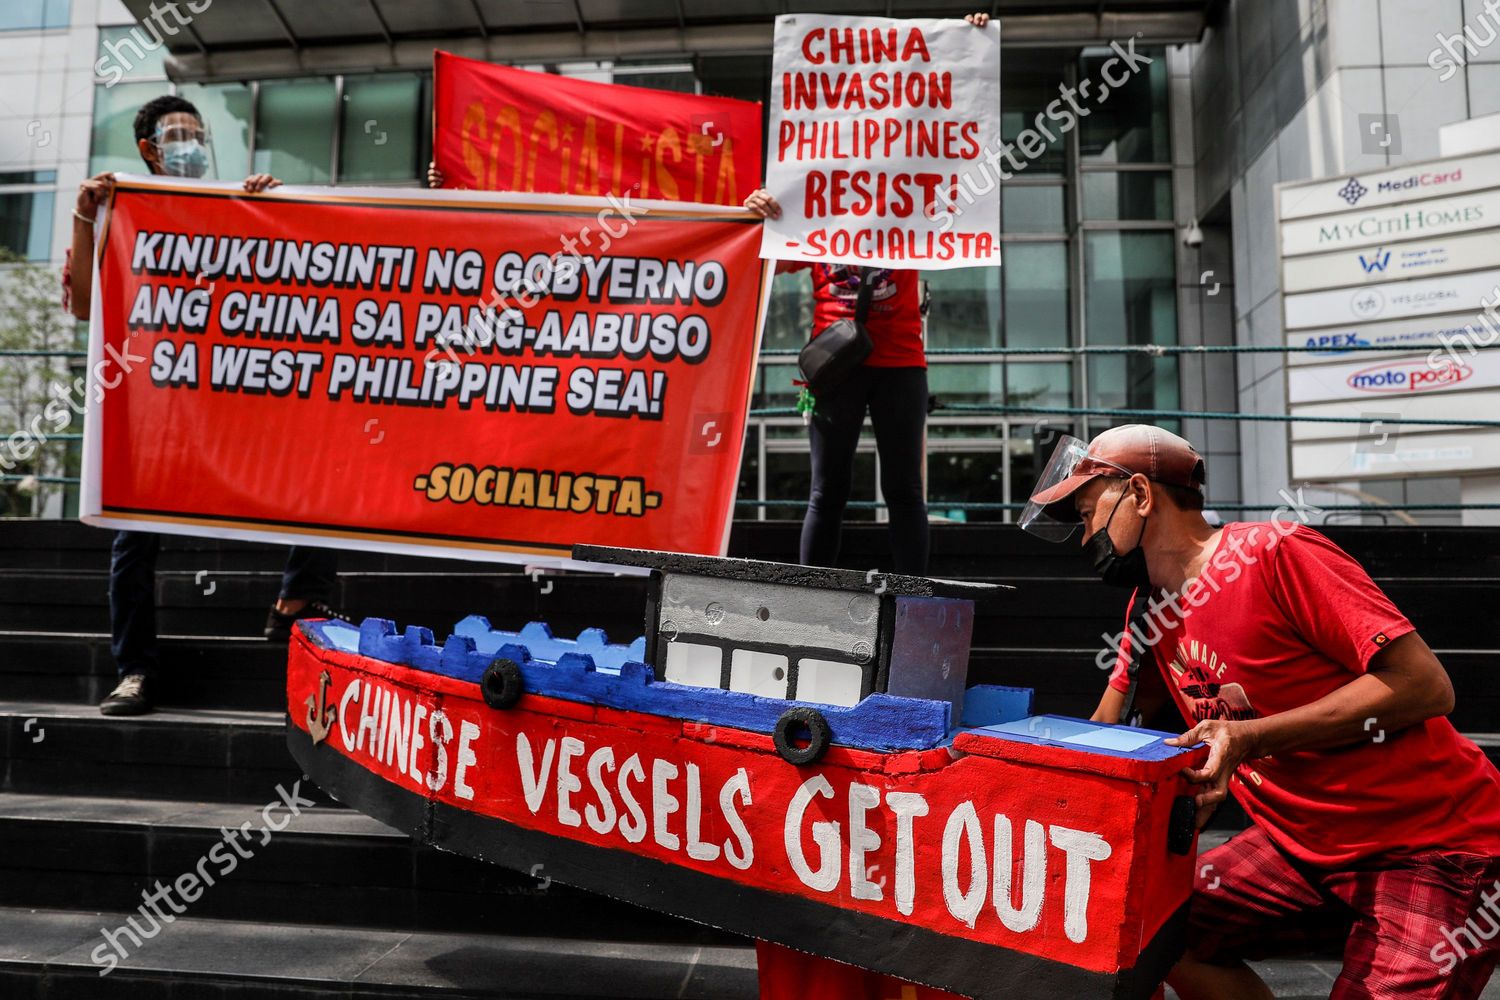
172 142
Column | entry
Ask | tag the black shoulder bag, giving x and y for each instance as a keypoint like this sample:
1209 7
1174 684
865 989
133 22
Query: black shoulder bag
828 358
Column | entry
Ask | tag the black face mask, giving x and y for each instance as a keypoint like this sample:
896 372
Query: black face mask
1128 570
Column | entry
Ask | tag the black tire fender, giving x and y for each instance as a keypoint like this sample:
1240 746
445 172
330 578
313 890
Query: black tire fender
790 725
501 684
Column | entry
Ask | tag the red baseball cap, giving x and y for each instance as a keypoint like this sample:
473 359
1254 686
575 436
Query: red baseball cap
1157 454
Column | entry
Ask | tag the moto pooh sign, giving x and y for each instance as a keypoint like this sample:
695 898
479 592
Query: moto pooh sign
1406 259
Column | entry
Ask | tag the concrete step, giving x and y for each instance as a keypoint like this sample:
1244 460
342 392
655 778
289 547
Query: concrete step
249 673
340 866
957 550
196 671
1042 612
48 954
213 755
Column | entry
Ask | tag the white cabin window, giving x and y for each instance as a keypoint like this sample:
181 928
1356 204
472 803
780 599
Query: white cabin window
694 663
828 682
759 673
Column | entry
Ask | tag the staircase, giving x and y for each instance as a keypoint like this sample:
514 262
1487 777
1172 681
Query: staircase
96 811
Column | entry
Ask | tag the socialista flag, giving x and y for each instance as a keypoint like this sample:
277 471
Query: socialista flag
502 129
420 370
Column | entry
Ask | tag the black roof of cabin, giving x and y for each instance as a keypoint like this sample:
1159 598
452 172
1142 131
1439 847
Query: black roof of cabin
756 570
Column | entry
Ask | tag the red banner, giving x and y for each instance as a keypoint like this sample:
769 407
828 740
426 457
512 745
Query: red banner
421 370
501 129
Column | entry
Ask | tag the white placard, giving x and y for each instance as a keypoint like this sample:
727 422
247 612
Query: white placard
1372 227
1392 262
1392 379
1454 406
876 123
1419 332
1401 454
1452 293
1433 179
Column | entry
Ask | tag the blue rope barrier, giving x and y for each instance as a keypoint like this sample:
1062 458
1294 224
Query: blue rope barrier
987 409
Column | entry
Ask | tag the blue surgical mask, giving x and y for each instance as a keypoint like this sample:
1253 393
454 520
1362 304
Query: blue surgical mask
184 158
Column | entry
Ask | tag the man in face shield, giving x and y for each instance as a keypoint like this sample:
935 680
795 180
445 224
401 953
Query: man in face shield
1375 824
172 141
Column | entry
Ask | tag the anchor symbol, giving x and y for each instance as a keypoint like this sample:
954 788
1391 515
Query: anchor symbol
320 714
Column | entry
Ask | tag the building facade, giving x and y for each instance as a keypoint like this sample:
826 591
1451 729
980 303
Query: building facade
1150 223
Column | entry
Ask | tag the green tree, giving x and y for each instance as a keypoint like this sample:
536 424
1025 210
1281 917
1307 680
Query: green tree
37 396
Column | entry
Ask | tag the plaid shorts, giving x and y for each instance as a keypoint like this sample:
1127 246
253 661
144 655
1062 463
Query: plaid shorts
1412 927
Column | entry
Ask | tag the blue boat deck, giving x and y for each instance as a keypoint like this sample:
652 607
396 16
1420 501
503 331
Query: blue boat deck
592 670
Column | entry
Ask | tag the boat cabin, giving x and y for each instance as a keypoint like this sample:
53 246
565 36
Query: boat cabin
802 633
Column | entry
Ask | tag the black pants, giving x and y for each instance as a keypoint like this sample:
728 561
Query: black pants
310 574
896 399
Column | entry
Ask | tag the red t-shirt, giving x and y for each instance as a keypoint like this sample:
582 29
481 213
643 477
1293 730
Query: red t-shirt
1284 617
895 319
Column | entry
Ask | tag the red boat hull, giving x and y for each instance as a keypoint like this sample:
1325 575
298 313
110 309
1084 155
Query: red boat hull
962 869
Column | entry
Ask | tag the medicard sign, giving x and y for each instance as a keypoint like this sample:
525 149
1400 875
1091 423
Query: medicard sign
1406 259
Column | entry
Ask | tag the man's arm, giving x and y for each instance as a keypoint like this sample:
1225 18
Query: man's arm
91 194
1405 685
1111 706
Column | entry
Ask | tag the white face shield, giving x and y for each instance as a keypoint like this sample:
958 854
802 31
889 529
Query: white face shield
185 151
1049 513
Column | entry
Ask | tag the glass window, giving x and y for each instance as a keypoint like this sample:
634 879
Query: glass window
676 77
114 126
1131 125
382 128
1127 195
1131 294
965 477
1131 299
966 381
1030 80
1133 382
28 177
749 487
29 15
26 224
964 309
294 132
225 108
130 52
1031 208
1036 294
789 314
774 384
1038 383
